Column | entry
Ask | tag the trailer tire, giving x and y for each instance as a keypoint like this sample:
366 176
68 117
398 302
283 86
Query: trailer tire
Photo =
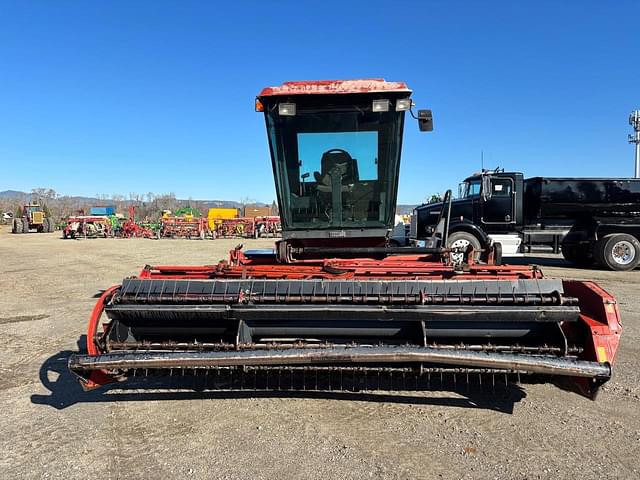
17 225
463 240
618 252
25 225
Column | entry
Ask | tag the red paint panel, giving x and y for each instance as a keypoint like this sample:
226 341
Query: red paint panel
328 87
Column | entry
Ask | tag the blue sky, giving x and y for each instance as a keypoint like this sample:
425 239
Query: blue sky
119 97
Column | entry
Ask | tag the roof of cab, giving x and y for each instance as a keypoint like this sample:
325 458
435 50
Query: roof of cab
327 87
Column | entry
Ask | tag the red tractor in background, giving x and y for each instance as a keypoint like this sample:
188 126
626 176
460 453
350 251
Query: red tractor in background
33 218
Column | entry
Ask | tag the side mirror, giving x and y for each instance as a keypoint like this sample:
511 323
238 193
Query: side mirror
486 187
425 120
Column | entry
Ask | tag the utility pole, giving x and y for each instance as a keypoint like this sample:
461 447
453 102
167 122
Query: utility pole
634 121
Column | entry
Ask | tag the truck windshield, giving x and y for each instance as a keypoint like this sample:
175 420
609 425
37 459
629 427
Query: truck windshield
469 189
336 167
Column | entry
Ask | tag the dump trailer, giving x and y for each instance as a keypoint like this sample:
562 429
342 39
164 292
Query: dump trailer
334 305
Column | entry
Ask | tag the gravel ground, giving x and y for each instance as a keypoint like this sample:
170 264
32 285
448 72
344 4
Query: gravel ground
51 429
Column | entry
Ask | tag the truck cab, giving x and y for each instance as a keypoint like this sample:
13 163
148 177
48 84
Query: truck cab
488 209
592 220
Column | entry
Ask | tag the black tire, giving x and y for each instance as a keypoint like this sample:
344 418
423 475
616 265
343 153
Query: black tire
577 254
497 253
618 252
17 225
462 239
25 225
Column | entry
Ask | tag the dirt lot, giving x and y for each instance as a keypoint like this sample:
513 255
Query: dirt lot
51 429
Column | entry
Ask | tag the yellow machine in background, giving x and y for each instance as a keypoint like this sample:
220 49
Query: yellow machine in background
216 215
33 218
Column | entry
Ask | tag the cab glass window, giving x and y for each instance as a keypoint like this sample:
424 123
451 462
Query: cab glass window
501 187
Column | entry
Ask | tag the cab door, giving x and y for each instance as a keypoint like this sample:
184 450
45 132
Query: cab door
498 201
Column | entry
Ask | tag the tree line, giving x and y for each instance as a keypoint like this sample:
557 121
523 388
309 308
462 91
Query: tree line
148 205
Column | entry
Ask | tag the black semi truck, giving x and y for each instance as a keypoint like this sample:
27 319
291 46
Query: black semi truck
594 220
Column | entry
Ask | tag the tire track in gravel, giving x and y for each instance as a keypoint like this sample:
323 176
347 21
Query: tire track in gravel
22 318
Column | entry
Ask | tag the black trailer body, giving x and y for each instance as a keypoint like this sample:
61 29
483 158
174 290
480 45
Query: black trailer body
576 198
595 220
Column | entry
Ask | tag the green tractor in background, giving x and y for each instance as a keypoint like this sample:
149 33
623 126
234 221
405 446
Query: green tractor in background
33 218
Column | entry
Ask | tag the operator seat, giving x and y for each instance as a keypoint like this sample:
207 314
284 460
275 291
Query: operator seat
336 158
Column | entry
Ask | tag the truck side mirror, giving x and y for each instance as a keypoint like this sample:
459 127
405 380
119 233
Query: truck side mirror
425 120
486 187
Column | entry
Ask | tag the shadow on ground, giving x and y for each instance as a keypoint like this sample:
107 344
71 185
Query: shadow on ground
65 391
542 261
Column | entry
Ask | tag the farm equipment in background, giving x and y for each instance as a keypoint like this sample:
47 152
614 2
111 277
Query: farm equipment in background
87 226
132 229
334 306
241 227
216 216
186 223
33 218
268 226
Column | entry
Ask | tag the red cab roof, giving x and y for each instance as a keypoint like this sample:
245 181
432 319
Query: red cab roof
319 87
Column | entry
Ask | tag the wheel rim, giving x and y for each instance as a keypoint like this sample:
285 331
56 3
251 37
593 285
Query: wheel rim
623 252
463 244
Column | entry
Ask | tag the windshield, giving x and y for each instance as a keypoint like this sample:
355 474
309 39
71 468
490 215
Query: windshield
336 166
469 189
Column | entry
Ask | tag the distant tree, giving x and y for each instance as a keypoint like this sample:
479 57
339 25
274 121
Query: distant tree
274 208
244 201
19 212
435 198
48 193
45 209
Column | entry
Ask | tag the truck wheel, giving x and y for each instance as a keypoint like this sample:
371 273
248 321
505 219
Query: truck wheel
17 225
463 240
618 251
25 225
577 255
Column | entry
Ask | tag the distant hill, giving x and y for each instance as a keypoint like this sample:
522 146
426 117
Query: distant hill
12 194
405 209
15 194
401 209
